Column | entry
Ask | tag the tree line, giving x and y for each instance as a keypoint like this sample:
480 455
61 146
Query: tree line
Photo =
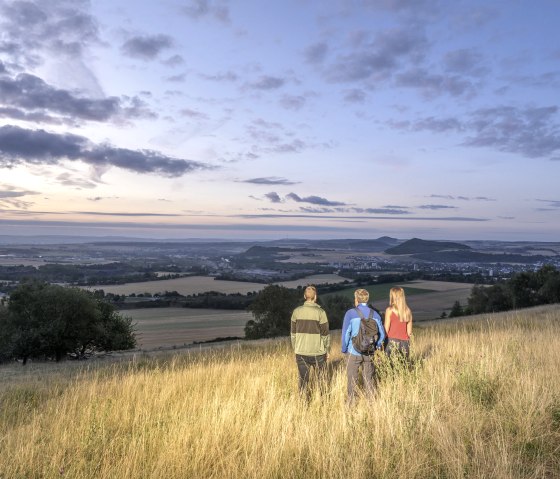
47 321
523 290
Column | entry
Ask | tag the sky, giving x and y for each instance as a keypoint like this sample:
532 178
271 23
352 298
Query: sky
244 119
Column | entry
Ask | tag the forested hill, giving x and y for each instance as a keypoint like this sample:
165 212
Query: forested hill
418 246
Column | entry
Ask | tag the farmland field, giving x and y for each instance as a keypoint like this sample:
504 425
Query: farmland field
165 327
202 284
427 299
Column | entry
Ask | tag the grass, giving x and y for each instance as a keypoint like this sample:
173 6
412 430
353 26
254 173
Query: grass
479 398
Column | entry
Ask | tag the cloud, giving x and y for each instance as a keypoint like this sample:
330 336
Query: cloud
267 82
103 213
464 62
194 114
463 198
174 61
273 197
532 132
270 180
551 203
354 95
28 97
146 47
314 200
316 53
10 197
379 58
436 207
434 84
197 9
293 102
32 27
227 76
18 145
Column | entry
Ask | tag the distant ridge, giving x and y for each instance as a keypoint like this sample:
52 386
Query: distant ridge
418 246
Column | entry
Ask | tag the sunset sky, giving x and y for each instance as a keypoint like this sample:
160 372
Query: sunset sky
257 119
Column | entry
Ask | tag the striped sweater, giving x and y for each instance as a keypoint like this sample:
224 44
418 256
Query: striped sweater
310 330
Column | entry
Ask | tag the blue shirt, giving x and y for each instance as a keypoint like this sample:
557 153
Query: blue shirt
351 326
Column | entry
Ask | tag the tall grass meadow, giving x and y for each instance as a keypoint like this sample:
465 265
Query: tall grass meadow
479 398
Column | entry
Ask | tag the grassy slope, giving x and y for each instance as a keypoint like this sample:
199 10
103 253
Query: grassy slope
482 399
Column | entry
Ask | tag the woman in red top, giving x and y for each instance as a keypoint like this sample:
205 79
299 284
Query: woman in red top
398 323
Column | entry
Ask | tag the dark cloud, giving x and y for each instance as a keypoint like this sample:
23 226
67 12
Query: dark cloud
146 47
270 180
268 83
18 145
314 200
2 67
380 58
198 9
380 211
436 207
273 197
316 53
29 97
68 179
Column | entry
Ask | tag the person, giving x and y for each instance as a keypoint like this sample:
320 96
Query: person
398 323
310 338
357 360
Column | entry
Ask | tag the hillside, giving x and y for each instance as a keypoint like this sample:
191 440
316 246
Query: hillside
416 245
478 400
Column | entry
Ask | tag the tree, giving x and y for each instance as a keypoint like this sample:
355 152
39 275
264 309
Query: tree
456 310
272 311
51 321
336 306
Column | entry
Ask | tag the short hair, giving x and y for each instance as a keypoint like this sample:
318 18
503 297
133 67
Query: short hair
310 292
361 295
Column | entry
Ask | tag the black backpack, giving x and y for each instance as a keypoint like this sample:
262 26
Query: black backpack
364 342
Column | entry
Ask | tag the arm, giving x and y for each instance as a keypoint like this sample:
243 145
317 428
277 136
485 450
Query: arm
347 337
345 327
409 328
387 319
324 328
293 331
381 330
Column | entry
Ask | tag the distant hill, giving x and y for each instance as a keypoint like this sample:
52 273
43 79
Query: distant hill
360 245
419 246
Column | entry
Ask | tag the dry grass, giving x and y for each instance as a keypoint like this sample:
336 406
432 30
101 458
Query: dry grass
481 398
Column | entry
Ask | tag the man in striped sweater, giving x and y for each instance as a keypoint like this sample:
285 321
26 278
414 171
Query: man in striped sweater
310 337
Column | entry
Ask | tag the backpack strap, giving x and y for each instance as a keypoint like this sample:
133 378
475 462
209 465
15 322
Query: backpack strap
360 314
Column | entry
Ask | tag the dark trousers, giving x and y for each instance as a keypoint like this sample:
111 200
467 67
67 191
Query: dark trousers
304 365
398 346
353 366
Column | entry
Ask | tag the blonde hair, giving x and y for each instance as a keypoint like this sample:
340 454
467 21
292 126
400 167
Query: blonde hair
397 302
310 293
361 295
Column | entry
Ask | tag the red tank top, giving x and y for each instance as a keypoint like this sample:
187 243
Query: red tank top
397 330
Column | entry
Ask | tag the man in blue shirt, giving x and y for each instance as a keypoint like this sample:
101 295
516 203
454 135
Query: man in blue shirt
357 360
